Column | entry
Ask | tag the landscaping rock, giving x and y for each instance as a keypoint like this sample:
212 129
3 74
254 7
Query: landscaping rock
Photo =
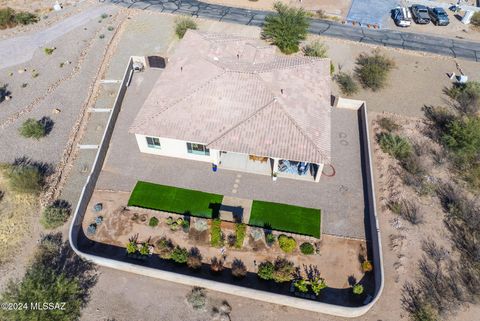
256 233
200 224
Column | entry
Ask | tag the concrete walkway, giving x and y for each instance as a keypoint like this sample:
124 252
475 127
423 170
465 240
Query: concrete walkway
18 50
427 43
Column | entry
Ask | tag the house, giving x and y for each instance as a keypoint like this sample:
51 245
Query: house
239 104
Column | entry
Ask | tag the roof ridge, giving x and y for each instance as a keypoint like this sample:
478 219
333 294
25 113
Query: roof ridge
206 83
244 120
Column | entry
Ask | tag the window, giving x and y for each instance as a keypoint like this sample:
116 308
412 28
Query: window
153 142
197 149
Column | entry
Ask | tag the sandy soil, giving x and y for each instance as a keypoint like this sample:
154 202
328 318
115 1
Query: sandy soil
336 8
338 258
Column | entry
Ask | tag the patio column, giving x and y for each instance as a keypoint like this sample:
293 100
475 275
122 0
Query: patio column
275 165
319 173
215 156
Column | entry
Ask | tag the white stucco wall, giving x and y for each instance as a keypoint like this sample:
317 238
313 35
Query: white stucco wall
175 148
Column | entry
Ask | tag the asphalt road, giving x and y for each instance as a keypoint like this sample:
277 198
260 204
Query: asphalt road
390 38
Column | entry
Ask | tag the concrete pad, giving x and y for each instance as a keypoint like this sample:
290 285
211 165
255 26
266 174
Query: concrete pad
235 209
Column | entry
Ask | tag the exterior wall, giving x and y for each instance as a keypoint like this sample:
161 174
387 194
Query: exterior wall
175 148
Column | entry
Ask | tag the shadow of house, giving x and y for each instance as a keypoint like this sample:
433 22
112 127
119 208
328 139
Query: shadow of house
236 211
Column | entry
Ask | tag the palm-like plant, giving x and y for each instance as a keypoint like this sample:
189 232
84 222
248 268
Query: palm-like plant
395 145
286 28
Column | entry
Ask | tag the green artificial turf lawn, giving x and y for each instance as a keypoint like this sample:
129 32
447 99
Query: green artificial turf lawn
287 218
173 199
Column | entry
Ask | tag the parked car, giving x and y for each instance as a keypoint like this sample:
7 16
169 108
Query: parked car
438 16
401 16
420 14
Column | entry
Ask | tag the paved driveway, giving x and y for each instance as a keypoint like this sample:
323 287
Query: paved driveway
383 37
18 50
374 12
340 197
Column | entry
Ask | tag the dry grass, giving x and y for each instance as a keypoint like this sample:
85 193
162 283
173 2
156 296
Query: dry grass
16 213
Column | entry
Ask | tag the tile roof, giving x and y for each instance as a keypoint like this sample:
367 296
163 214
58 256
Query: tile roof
238 94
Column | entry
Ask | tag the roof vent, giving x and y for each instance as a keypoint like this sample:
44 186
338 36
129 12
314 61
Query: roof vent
215 58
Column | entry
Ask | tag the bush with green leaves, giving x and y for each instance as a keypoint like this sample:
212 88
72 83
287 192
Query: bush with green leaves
144 249
388 124
265 270
301 285
287 28
284 270
32 128
216 235
347 84
55 215
367 266
10 18
56 274
396 146
475 20
24 178
240 231
153 221
49 51
270 239
183 24
315 49
132 246
179 255
25 18
466 96
216 265
197 298
462 139
287 243
373 69
317 284
307 248
357 289
164 248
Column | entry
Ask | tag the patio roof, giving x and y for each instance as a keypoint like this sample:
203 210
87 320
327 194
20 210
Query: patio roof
238 94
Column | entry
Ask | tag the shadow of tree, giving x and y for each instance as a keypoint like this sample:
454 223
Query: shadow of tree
47 124
45 169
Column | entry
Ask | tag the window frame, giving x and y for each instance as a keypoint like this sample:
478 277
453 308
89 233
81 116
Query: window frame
193 148
154 141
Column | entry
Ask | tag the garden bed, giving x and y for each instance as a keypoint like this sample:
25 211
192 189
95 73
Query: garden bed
175 200
287 218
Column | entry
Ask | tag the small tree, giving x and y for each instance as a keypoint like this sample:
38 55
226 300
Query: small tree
315 49
32 128
286 28
347 84
239 270
372 70
55 214
180 255
183 24
265 270
287 243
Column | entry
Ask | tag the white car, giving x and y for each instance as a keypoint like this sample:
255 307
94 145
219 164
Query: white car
402 16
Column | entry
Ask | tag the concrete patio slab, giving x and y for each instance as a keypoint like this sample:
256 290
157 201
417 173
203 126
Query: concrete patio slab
235 209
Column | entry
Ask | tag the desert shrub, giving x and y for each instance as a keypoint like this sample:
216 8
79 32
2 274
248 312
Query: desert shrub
216 265
144 249
56 274
7 18
287 243
165 248
347 84
216 236
317 284
179 254
307 248
32 128
239 270
396 146
286 28
315 49
462 139
266 270
25 18
183 24
388 124
55 214
301 285
25 178
283 270
408 210
240 231
332 69
466 96
372 70
194 260
357 289
367 266
49 51
104 16
413 164
475 20
197 298
153 221
472 176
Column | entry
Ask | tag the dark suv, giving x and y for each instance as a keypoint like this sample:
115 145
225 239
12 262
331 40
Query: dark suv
420 14
438 16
